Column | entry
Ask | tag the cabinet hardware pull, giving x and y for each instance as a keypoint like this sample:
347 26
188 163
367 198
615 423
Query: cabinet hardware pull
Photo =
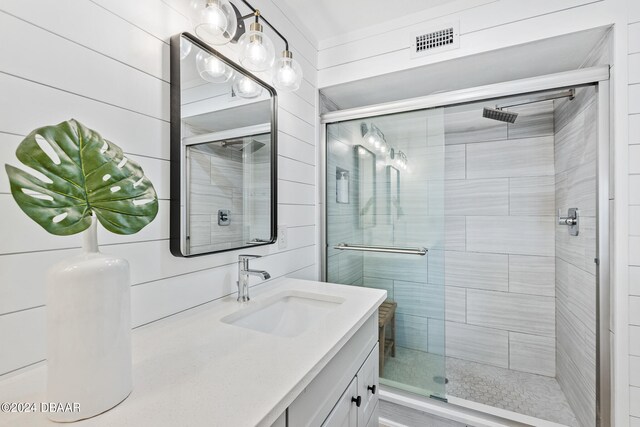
358 400
372 388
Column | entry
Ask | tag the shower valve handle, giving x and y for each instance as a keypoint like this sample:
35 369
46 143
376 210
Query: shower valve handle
567 221
572 220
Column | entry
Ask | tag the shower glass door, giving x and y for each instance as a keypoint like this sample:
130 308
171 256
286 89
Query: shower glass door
385 202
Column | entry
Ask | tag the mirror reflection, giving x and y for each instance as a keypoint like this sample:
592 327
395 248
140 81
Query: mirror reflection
227 146
365 163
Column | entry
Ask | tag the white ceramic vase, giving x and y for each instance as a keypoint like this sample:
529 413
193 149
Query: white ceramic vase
88 331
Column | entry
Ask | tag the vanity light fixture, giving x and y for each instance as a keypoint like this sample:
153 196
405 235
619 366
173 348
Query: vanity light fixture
369 134
245 87
212 69
218 22
401 160
384 148
372 135
185 48
380 140
256 49
287 73
221 22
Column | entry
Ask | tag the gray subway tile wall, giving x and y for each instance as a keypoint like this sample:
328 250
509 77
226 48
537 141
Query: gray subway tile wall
484 204
511 158
216 176
575 164
529 314
413 282
532 195
533 120
476 197
522 235
506 266
477 344
532 353
519 292
343 218
455 304
533 275
477 270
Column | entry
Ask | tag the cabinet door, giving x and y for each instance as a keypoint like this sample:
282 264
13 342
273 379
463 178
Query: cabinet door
314 404
368 386
374 420
281 421
345 413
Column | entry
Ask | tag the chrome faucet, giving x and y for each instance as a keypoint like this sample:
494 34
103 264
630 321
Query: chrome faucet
243 276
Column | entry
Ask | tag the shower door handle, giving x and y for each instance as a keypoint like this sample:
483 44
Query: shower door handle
384 249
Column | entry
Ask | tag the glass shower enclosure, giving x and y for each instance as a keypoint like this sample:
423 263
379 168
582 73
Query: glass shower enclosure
385 229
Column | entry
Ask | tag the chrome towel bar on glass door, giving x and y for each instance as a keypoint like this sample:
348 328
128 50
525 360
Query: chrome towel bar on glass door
386 249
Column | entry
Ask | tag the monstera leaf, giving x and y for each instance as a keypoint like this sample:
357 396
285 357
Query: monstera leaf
81 174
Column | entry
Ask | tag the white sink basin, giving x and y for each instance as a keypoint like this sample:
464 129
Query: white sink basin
287 314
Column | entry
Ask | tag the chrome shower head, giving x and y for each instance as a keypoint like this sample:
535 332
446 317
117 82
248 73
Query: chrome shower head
499 114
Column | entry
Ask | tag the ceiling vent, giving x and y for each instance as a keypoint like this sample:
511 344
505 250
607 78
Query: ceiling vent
435 40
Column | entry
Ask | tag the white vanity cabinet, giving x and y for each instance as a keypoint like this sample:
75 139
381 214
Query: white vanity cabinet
359 402
345 413
368 385
345 392
225 374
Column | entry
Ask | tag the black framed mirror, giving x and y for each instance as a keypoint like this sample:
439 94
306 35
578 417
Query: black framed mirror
223 153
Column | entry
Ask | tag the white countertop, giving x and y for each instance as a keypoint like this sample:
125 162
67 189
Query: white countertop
191 369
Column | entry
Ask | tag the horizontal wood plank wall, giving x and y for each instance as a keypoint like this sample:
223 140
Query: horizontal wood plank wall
484 25
106 63
634 211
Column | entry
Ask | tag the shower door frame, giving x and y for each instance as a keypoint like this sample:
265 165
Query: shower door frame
593 76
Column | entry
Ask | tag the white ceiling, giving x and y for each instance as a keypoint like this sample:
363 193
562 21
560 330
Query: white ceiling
330 18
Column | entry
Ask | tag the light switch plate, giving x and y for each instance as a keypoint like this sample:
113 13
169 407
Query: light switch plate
282 237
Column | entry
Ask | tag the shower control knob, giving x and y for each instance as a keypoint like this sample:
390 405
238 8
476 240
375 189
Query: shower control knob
372 388
572 220
357 400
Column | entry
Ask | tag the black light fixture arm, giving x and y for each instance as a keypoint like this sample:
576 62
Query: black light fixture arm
256 14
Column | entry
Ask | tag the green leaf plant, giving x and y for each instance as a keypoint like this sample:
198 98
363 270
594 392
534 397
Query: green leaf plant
80 175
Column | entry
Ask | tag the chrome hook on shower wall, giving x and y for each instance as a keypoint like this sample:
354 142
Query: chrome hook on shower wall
572 220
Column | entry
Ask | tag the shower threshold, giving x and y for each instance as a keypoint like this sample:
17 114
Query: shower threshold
500 392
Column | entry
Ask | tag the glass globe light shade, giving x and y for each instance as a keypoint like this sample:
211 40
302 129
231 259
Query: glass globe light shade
287 73
399 158
378 142
185 48
212 69
245 87
370 136
256 52
217 22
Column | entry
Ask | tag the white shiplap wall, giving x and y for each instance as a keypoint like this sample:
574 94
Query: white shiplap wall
484 25
634 211
106 63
